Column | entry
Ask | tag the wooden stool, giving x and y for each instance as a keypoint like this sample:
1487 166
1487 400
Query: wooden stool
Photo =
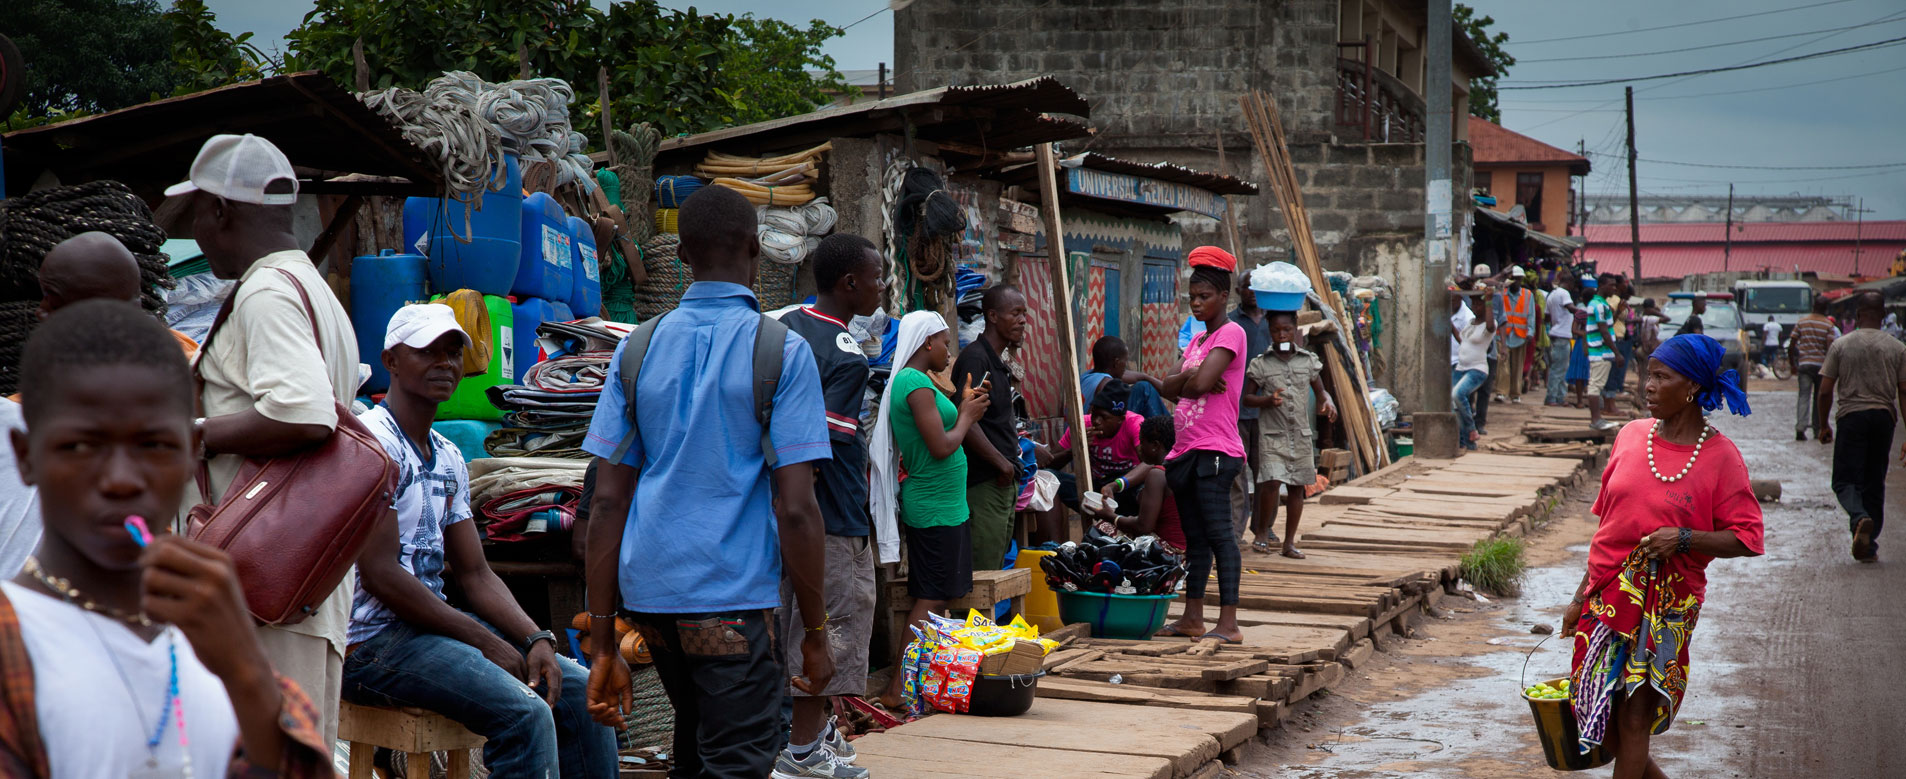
415 732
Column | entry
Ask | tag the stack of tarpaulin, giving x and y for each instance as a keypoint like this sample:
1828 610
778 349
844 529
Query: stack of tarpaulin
548 414
520 498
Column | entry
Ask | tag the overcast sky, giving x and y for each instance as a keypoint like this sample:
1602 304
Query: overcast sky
1843 110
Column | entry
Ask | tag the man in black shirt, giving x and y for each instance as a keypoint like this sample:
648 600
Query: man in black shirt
1257 340
992 446
847 275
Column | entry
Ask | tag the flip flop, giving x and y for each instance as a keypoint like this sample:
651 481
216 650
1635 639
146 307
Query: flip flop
1292 554
1221 639
1261 547
1170 631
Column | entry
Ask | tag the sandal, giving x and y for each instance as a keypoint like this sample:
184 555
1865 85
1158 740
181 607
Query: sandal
1292 553
1261 547
1171 631
1221 639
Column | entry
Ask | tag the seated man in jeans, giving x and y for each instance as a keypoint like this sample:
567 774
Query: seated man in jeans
489 668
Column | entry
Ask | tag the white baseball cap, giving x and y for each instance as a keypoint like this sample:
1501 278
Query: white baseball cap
242 168
419 325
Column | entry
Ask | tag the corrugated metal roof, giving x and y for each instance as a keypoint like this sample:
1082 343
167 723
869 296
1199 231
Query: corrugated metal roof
993 116
1163 171
1751 232
1825 258
320 127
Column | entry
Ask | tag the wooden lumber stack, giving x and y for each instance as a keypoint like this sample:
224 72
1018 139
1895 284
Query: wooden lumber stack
1348 385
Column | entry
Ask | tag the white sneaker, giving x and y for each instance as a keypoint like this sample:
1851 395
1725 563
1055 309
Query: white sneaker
820 764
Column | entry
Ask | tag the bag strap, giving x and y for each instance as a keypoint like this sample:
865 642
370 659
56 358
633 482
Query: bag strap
20 744
629 370
769 341
204 477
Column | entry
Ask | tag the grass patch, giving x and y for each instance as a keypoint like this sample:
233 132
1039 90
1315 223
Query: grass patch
1496 565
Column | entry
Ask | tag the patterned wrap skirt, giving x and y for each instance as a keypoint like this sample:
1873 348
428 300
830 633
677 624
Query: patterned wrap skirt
1634 631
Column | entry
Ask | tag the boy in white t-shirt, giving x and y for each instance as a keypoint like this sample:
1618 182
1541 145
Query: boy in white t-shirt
129 654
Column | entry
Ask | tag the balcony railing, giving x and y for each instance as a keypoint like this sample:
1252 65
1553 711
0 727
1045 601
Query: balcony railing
1373 104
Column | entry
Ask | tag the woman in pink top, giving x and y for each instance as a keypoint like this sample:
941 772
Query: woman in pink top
1208 453
1674 497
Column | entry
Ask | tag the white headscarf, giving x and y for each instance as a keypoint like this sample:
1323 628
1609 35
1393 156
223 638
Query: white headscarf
883 498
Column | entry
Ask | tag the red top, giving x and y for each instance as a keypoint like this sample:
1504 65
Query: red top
1633 503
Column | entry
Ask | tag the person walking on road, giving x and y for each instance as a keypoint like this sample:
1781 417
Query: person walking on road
1559 308
1865 373
1812 336
1769 341
1674 497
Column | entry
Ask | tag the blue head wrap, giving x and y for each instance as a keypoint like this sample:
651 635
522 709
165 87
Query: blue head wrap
1698 357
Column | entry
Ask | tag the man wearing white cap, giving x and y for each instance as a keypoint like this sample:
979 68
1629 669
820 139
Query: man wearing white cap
272 372
482 663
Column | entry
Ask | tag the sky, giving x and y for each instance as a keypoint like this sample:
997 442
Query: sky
1842 110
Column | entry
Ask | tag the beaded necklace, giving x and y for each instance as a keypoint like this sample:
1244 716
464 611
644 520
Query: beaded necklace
73 596
1705 429
173 707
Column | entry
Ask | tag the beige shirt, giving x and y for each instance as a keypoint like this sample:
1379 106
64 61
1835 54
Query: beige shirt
264 358
1867 366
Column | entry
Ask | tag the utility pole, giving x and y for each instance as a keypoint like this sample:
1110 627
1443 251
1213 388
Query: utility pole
1859 229
1727 241
1581 201
1634 210
1435 425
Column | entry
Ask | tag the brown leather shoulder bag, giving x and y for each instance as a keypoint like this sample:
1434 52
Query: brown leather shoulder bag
295 524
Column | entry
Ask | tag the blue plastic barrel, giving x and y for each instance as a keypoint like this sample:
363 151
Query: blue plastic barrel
585 298
482 256
530 314
548 257
381 284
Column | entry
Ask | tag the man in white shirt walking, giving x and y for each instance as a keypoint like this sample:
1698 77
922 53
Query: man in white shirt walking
1769 342
1560 310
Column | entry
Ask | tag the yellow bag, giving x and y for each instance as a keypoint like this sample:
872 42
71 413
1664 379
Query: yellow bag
474 317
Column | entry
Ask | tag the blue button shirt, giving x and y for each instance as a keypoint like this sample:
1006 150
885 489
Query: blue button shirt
701 533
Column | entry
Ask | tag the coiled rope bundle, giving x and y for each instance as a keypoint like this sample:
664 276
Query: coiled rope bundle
460 120
636 150
789 235
926 220
668 278
33 223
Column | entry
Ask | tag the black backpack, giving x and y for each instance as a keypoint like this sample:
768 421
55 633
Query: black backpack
768 342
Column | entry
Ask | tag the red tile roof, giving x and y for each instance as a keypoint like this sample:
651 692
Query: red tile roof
1673 250
1494 145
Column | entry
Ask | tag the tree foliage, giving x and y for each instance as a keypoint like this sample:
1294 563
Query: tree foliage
89 55
1482 91
685 71
204 56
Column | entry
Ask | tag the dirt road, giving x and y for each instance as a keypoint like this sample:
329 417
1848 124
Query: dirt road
1798 664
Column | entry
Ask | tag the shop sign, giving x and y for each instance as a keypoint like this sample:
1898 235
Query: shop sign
1146 191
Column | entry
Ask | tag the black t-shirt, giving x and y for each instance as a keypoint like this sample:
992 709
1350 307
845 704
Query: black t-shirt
979 361
1257 340
841 483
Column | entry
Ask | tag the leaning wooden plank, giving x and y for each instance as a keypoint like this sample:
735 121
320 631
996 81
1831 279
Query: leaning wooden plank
1326 674
898 754
1359 654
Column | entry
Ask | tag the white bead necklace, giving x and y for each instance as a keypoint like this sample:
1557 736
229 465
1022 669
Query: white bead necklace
1705 429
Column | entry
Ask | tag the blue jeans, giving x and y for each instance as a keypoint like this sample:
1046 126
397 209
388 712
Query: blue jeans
401 666
1558 370
1462 385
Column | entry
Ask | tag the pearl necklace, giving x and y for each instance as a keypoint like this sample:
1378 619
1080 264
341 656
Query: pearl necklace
1705 429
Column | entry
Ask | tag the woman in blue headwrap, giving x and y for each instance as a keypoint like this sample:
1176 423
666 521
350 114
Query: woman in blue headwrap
1674 497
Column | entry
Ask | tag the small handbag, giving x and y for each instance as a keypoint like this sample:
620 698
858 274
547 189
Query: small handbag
295 524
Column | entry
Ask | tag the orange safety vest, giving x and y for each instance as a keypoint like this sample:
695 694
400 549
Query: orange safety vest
1517 316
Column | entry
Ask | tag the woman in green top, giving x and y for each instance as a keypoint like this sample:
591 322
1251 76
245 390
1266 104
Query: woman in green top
916 448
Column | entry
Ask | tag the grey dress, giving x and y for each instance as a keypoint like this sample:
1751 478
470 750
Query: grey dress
1284 448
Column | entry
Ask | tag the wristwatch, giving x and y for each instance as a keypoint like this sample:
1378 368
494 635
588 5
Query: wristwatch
540 635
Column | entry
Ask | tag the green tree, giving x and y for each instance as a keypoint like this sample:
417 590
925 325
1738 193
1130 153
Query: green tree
204 56
89 55
1482 91
685 71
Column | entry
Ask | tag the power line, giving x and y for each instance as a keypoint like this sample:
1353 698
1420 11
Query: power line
1657 53
877 12
1705 71
1673 26
1874 166
1835 79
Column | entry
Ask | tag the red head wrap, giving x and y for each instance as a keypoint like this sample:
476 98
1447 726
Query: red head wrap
1213 257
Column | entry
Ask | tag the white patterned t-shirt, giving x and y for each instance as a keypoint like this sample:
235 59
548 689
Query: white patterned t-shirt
432 494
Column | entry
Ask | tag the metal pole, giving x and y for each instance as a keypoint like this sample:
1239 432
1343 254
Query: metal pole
1634 211
1727 241
1437 206
882 85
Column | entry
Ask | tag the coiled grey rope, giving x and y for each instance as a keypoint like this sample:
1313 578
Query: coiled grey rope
635 150
460 120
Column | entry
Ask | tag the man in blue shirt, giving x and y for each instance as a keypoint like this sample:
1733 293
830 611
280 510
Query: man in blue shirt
697 565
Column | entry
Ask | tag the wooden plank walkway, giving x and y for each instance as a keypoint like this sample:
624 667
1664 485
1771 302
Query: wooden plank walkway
1377 547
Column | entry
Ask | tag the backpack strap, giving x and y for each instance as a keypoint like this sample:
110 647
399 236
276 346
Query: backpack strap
769 344
629 369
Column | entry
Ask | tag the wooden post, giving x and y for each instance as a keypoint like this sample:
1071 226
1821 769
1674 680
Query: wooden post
359 68
608 124
1230 211
1062 312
